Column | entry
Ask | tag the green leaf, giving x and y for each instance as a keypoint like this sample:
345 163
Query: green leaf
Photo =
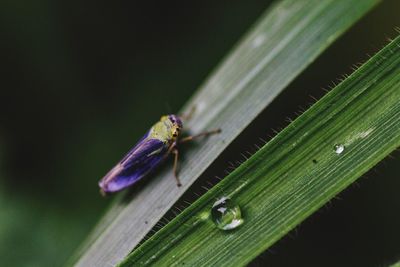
287 38
322 152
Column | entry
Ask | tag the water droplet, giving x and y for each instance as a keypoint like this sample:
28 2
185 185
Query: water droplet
339 149
226 214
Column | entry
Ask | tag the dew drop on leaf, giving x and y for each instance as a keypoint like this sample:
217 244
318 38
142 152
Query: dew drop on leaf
339 149
225 214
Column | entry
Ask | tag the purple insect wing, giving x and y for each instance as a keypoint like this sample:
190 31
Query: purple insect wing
138 162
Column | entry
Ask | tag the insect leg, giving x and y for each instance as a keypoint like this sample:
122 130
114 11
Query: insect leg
190 138
176 153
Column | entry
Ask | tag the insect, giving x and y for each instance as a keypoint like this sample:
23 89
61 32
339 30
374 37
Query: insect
160 141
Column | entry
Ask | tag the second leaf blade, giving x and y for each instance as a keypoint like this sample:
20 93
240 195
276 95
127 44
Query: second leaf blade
327 148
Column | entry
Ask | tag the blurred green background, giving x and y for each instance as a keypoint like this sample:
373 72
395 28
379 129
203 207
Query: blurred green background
83 80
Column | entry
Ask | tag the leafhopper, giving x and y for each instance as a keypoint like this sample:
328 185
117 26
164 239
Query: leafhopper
155 146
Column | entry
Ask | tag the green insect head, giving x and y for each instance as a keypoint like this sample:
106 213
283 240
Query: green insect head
168 128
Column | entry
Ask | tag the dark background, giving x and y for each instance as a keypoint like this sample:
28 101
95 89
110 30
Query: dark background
81 81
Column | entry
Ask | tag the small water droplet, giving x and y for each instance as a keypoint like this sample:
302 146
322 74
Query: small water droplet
226 214
339 149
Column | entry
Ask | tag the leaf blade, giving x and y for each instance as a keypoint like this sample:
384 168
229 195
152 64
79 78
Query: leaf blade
281 184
